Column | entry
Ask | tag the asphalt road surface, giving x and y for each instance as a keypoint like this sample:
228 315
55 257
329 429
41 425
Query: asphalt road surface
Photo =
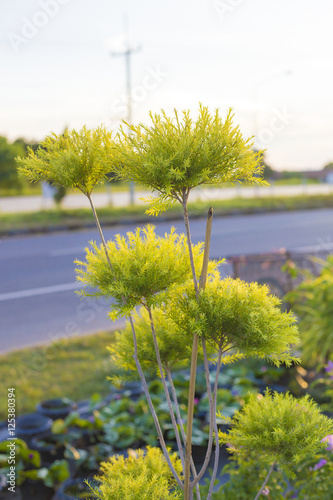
38 303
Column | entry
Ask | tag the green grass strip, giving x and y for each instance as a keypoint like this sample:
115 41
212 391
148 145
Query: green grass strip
75 219
74 368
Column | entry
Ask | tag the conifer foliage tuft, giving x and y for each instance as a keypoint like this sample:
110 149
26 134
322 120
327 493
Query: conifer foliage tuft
279 426
77 159
140 476
142 266
175 154
231 313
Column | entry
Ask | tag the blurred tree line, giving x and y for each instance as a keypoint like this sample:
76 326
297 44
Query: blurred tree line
8 169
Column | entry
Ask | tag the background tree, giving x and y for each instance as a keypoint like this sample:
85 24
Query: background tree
8 171
9 178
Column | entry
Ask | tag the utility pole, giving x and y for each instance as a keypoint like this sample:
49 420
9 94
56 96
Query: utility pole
127 52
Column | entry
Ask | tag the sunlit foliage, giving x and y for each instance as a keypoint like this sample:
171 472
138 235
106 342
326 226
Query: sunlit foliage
144 476
283 428
312 300
231 313
142 266
175 154
75 159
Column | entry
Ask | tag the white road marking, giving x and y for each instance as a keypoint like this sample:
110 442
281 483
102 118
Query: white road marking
39 291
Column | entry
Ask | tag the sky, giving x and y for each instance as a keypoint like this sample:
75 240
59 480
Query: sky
269 60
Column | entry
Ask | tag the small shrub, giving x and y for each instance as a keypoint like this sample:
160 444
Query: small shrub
143 476
312 300
282 428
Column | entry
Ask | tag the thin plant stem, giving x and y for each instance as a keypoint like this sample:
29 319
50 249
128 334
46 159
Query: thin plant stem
167 395
190 409
190 413
204 270
182 430
176 404
151 407
190 248
217 448
210 402
212 413
99 229
266 480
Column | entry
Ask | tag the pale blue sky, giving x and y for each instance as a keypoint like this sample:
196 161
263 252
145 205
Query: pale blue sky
271 60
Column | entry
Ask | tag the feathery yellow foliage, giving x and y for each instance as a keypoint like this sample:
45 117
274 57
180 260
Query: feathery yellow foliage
75 159
279 426
143 266
140 476
231 313
175 154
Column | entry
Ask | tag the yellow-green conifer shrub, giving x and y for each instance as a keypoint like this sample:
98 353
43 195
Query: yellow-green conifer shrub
141 476
175 154
172 156
312 300
142 266
284 429
231 313
175 349
75 159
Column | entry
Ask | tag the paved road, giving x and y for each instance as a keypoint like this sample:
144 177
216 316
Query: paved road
37 299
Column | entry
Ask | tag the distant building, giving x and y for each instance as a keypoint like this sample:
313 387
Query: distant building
325 175
329 176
